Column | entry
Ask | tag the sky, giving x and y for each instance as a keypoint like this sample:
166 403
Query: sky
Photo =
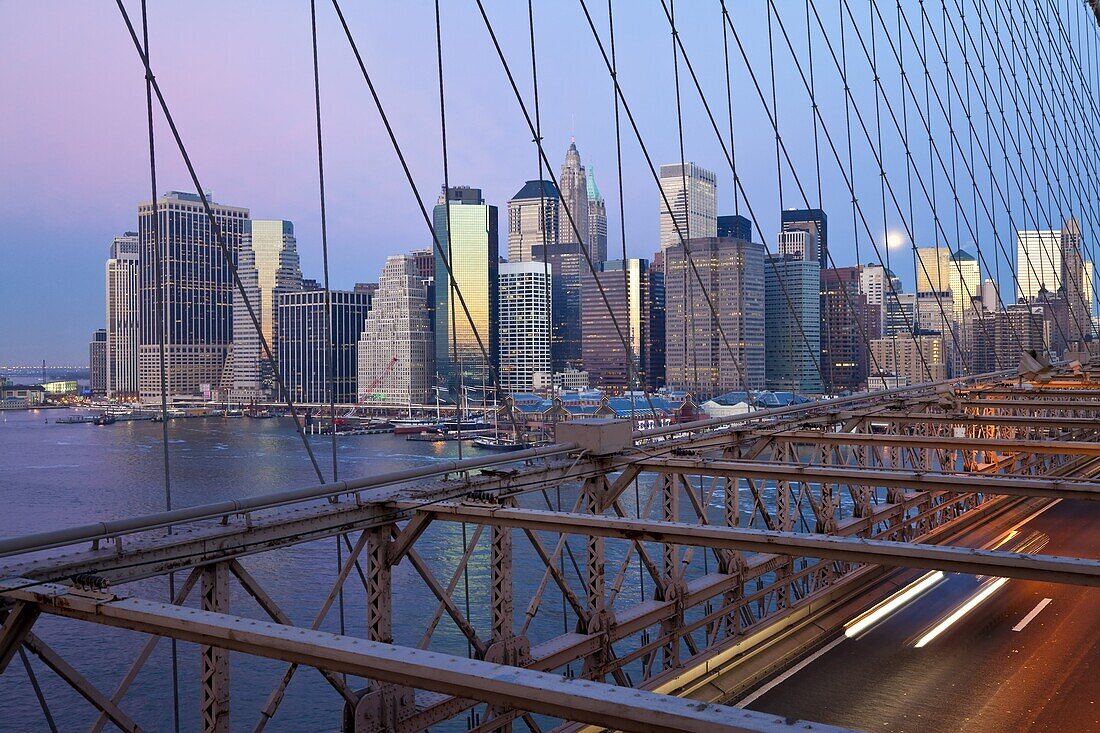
238 79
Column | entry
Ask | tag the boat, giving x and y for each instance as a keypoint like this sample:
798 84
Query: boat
104 419
406 426
489 442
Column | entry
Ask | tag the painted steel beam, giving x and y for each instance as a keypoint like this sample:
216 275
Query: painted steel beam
972 483
549 694
1056 447
939 418
999 445
1044 568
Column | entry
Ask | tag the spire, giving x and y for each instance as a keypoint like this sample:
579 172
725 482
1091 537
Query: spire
593 190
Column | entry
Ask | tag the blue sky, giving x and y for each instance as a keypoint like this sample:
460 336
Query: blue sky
238 77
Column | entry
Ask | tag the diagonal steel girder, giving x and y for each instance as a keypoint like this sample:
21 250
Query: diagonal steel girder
967 483
515 687
1044 568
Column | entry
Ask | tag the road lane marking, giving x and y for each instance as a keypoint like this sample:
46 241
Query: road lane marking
789 673
1031 616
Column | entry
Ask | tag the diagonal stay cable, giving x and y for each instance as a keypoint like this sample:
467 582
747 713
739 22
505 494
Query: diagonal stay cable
218 234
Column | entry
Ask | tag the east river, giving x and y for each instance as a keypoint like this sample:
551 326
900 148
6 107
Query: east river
56 475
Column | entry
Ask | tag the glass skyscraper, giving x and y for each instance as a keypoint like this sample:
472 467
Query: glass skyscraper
197 281
268 266
304 340
467 233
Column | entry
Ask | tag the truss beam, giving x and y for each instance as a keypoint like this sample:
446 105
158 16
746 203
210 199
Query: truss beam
539 692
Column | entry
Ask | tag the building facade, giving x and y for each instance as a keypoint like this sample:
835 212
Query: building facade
396 352
688 204
573 182
568 265
815 223
525 324
597 220
848 323
792 305
268 266
697 358
197 284
912 360
964 280
636 297
466 228
1038 262
123 317
97 362
532 219
310 356
934 266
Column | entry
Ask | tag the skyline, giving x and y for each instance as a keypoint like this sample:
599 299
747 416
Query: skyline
257 148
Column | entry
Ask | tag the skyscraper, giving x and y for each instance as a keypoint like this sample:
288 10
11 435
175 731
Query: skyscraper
636 295
934 266
1074 280
568 264
525 324
736 226
697 358
308 352
532 219
268 266
574 195
792 294
964 280
97 362
396 348
1038 262
814 222
467 232
691 192
197 283
425 270
911 360
848 321
123 312
597 220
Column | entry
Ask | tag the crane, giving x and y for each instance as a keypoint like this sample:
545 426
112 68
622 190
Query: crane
370 390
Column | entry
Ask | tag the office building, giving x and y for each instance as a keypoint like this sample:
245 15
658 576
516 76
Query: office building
268 266
636 296
997 338
1038 263
525 324
688 204
568 264
197 283
697 357
913 360
574 198
97 362
466 228
792 293
964 280
532 219
597 220
798 244
123 314
815 223
309 356
396 352
736 226
425 270
1075 281
934 267
848 323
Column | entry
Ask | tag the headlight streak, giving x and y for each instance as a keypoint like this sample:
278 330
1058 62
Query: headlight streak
961 611
871 617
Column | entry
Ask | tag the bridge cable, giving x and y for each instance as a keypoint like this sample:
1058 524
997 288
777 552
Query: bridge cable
161 307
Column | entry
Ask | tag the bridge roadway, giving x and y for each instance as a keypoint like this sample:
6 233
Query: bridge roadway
980 674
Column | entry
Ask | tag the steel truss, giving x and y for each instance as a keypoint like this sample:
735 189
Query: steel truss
689 541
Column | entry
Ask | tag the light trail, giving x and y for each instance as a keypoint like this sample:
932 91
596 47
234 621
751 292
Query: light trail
961 611
871 617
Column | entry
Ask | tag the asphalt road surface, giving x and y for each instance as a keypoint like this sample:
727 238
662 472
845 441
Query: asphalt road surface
1024 658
